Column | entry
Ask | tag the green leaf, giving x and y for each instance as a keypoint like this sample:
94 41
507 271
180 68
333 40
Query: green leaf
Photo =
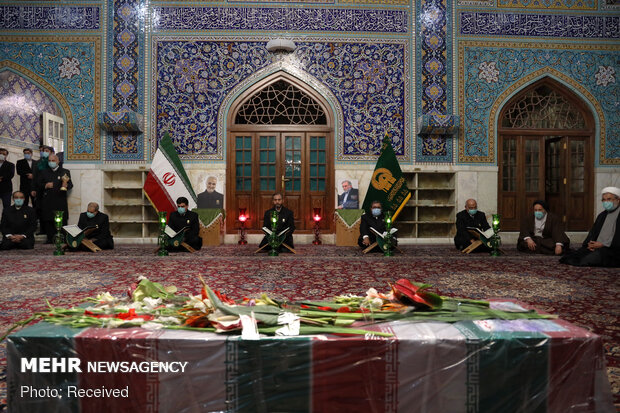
264 313
147 288
343 322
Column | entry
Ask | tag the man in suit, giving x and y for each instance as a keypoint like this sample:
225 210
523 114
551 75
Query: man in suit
470 217
210 198
53 183
601 247
542 232
99 234
184 218
285 220
375 220
7 172
349 199
25 169
18 224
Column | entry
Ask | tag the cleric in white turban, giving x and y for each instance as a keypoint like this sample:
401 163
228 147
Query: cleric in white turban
602 246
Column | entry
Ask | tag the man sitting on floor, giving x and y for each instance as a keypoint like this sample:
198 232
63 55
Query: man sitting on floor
98 225
601 247
376 221
18 224
186 220
285 220
542 233
470 217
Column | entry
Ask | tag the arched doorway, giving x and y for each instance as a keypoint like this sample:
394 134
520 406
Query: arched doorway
280 139
546 149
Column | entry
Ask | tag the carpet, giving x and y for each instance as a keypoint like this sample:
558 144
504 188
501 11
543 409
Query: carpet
588 297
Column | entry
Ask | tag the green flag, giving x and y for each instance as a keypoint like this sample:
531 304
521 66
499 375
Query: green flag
387 185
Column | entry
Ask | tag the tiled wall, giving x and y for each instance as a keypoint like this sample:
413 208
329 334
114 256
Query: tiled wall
22 104
380 63
502 51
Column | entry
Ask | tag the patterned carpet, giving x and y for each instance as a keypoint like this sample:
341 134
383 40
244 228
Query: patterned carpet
587 297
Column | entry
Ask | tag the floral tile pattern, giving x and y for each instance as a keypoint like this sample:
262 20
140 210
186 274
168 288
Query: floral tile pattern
126 91
434 46
193 77
23 103
71 65
489 70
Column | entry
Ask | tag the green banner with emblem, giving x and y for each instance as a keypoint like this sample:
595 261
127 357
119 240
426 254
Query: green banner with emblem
387 185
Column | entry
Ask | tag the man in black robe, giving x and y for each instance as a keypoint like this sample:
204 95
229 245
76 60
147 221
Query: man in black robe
184 218
601 247
376 220
285 220
7 171
18 224
98 225
25 169
470 217
542 232
42 164
53 183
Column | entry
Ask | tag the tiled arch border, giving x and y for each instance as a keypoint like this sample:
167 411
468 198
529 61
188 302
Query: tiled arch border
48 89
506 95
282 66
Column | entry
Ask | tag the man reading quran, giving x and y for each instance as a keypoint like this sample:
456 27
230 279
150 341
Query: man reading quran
601 247
187 221
470 217
373 221
96 226
285 220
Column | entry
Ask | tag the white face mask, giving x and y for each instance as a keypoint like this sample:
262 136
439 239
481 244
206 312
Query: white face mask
2 157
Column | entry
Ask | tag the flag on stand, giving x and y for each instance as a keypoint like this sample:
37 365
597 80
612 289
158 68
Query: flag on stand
387 185
167 179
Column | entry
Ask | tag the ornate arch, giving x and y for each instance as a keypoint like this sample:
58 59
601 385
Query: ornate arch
272 73
564 80
49 89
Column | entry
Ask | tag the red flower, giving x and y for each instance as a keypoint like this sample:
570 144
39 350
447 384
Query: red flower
130 315
223 297
416 294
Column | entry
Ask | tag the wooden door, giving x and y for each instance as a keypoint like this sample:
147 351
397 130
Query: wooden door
567 178
294 163
546 136
521 178
556 169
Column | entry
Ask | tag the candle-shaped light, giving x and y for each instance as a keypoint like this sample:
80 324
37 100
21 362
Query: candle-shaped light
496 222
162 239
242 219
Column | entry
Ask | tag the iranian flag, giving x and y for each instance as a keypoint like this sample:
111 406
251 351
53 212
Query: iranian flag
167 179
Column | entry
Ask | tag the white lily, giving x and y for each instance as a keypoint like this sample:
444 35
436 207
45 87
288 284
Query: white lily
106 298
149 303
